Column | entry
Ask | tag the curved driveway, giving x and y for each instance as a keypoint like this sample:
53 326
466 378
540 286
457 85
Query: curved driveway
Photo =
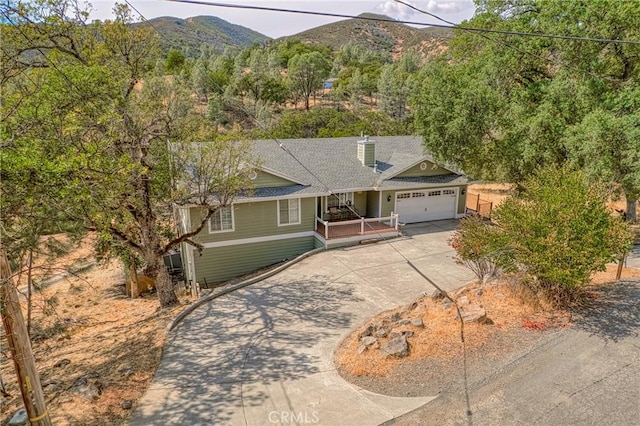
264 354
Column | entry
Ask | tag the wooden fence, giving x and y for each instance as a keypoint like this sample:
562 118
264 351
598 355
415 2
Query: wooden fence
478 206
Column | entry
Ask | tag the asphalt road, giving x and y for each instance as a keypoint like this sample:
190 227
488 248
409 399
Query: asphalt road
588 374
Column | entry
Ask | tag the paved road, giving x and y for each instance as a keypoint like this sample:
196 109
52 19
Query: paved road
588 374
264 354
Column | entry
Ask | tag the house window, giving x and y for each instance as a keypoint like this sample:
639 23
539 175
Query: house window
418 194
448 192
405 195
289 211
222 220
434 193
340 199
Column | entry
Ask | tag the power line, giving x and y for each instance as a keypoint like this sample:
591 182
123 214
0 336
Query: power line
147 21
553 59
371 18
357 214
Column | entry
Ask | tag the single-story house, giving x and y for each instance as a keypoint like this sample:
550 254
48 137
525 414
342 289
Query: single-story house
321 193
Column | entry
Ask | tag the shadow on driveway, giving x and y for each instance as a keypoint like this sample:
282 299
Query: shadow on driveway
255 335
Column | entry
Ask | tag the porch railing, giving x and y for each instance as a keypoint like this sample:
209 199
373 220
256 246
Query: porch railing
352 228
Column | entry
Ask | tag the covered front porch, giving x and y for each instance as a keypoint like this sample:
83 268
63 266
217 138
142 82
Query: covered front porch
335 233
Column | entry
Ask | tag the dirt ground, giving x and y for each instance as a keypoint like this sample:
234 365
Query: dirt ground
436 351
95 348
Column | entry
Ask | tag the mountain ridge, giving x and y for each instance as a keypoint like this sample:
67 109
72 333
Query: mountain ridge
375 32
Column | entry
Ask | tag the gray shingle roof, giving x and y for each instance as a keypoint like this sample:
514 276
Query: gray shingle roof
282 192
331 164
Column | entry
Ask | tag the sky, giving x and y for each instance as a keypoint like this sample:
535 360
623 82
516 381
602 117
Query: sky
278 24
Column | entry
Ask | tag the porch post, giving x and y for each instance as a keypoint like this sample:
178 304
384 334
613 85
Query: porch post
326 230
361 225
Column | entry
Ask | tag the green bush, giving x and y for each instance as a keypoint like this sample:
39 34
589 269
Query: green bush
561 230
481 247
558 231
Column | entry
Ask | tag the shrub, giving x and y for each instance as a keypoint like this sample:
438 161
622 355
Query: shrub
481 247
557 232
560 231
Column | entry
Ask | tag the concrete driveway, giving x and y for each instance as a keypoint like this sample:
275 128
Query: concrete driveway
264 354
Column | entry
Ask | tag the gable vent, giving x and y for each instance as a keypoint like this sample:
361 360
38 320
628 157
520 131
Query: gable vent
367 152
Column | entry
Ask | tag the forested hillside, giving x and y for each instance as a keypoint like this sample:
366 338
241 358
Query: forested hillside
188 35
380 34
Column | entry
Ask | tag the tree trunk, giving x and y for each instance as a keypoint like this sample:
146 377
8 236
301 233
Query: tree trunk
164 286
20 347
631 213
166 295
133 278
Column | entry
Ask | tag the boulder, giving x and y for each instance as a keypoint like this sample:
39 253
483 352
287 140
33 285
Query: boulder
88 391
475 313
126 404
368 340
413 305
368 331
437 295
381 332
19 418
396 347
417 322
463 300
401 331
446 304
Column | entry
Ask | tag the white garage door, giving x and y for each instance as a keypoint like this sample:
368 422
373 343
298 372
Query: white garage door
421 206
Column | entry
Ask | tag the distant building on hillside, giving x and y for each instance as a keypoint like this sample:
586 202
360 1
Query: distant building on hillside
328 83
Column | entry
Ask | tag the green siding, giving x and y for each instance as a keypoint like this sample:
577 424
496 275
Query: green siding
258 220
360 202
373 200
387 206
267 180
367 153
429 171
462 199
223 263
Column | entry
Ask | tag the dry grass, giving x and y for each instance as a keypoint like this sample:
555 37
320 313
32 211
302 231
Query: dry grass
492 192
440 337
509 305
87 320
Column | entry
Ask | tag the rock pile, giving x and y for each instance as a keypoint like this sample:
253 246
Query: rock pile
390 333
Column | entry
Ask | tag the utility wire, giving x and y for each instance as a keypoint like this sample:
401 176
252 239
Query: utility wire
147 21
355 213
371 18
555 60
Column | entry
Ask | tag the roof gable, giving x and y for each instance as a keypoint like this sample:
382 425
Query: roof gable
331 164
423 167
270 179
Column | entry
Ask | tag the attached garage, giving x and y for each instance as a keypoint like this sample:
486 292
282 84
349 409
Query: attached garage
425 205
